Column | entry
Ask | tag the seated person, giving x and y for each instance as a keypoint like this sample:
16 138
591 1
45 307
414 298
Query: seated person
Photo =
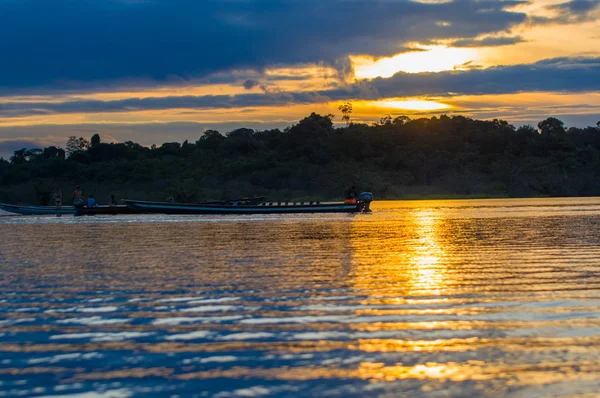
351 195
91 202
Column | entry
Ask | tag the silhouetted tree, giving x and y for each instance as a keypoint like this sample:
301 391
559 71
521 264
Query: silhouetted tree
527 130
76 144
210 140
19 156
208 134
240 133
346 110
53 152
169 148
95 140
33 154
386 120
400 120
551 126
315 124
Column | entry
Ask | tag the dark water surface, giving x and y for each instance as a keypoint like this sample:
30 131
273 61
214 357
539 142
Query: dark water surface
428 298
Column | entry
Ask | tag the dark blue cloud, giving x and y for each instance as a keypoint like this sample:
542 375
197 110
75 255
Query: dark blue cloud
579 7
488 42
75 43
573 11
249 84
551 75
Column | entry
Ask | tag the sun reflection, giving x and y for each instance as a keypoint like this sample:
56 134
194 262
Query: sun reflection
428 273
407 260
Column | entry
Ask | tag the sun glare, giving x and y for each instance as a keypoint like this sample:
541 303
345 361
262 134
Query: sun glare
431 59
413 105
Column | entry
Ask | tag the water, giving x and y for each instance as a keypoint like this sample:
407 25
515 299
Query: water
428 298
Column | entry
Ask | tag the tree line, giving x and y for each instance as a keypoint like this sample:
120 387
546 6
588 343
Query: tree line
398 157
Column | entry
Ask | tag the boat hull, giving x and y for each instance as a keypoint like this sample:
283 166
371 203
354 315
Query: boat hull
263 208
36 210
105 210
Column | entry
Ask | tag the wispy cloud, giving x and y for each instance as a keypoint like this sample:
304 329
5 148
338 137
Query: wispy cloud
574 11
488 41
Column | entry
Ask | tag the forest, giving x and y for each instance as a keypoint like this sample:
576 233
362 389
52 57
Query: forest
396 158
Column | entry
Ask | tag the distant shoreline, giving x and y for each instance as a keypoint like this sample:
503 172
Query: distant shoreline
398 159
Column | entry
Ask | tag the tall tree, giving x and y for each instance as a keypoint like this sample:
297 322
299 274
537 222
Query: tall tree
346 110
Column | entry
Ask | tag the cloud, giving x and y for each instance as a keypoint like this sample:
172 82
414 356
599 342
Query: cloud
576 7
574 11
69 44
552 75
18 109
249 84
488 42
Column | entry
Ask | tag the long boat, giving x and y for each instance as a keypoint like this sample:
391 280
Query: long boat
29 210
241 208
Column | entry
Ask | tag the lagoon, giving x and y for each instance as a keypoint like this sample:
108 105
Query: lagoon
494 297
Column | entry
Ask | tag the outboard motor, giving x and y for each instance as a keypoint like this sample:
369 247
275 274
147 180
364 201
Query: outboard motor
365 199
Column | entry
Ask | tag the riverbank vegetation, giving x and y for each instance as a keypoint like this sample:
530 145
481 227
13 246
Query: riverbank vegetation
395 158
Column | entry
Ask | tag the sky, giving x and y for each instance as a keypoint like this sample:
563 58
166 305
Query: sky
155 71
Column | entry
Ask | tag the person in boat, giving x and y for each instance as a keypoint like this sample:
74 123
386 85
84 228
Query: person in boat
351 195
58 199
77 201
91 202
113 201
76 194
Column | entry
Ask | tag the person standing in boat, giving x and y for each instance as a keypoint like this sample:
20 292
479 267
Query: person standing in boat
113 201
76 194
58 199
91 202
351 194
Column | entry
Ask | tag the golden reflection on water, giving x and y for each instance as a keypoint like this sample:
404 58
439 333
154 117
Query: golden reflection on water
411 261
408 258
426 269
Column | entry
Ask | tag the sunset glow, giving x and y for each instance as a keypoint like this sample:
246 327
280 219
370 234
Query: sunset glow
413 105
427 59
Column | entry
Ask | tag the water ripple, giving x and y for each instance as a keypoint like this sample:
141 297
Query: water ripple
442 298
